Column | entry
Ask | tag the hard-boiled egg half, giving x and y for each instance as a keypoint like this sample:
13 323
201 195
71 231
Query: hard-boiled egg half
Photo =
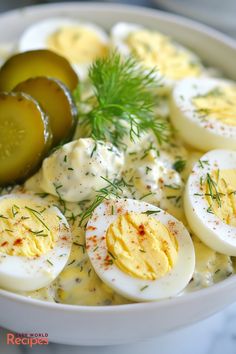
210 200
139 250
80 42
35 242
204 112
153 49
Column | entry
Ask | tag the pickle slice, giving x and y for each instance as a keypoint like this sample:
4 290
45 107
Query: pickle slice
23 66
25 137
56 100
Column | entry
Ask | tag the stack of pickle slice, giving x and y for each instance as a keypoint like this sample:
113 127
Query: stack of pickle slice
37 111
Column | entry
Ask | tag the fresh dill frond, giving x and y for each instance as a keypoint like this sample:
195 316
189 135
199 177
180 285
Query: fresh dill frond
123 101
113 188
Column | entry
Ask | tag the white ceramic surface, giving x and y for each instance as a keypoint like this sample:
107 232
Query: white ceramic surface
119 324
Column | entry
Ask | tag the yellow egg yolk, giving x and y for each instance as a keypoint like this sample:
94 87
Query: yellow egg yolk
78 44
141 246
219 104
26 229
157 50
220 190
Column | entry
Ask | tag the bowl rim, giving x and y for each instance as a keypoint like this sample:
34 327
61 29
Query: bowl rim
173 301
129 8
150 306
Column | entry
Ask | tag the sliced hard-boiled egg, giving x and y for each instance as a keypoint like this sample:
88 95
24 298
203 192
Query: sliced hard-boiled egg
80 42
139 250
204 112
35 242
210 200
157 51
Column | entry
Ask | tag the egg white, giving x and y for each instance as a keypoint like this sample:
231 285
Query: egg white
215 233
191 126
18 273
35 37
133 288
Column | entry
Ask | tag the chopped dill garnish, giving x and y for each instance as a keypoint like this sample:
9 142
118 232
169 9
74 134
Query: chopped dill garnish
111 254
80 245
42 195
150 212
38 233
94 149
173 186
61 200
112 210
123 101
36 213
14 210
209 210
202 163
3 217
144 287
72 262
213 192
146 195
179 165
112 189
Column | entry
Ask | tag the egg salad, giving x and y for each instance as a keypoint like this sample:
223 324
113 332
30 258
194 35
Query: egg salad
135 199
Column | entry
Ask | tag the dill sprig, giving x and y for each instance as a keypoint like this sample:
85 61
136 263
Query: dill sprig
113 188
123 101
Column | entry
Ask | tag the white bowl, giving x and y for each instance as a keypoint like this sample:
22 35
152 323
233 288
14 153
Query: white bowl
124 323
217 13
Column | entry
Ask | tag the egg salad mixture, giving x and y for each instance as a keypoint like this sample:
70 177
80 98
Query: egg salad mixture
126 191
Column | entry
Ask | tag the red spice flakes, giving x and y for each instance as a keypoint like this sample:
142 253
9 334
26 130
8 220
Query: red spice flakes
91 228
4 244
92 239
119 210
141 230
171 223
64 238
108 261
18 242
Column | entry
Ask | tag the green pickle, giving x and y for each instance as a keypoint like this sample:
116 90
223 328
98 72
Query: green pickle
23 66
56 100
25 137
